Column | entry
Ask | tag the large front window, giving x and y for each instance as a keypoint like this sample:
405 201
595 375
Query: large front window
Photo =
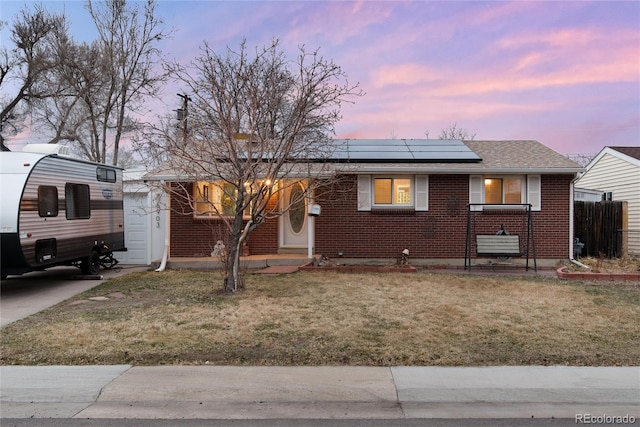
392 191
217 198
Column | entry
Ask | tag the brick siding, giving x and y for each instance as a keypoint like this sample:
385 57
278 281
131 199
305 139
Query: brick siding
439 232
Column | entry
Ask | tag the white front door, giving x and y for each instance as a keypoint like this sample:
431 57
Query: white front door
294 222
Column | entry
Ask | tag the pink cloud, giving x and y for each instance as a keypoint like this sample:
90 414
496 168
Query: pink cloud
568 64
497 12
347 20
569 37
402 74
576 48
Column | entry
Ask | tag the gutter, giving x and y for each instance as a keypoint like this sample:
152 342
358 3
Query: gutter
411 168
451 169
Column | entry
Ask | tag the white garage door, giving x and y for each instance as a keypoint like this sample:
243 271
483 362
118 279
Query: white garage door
136 231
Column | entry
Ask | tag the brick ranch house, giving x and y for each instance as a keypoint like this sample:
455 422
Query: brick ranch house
412 194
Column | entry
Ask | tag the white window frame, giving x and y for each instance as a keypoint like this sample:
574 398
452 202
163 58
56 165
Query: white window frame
531 190
419 192
503 178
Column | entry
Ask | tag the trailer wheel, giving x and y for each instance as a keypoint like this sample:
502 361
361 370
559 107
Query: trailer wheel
91 264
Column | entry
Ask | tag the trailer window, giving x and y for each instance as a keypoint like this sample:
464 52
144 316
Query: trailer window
106 175
47 201
77 201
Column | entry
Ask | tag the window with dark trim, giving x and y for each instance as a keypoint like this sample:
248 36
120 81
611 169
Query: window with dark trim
77 201
214 199
47 201
106 174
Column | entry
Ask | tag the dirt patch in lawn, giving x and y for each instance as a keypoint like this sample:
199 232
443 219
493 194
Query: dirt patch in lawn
331 318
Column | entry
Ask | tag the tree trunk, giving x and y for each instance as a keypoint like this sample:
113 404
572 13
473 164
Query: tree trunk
232 281
232 278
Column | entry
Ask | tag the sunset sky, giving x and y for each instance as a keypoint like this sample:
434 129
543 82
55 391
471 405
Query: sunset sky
564 73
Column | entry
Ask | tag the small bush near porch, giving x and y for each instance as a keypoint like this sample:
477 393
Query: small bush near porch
309 318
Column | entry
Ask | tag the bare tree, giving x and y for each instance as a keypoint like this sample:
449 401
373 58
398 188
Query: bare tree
256 125
102 84
89 92
128 39
581 158
454 132
82 80
24 69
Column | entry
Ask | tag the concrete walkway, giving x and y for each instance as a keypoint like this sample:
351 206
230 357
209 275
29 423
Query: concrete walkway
228 392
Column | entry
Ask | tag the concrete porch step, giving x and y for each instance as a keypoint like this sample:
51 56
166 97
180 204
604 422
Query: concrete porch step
252 262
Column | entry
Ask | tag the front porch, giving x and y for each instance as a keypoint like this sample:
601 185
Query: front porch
288 263
251 262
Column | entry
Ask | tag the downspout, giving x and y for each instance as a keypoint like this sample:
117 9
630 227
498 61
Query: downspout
310 228
571 225
310 236
165 254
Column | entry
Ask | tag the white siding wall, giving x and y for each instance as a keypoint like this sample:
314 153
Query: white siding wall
621 178
146 214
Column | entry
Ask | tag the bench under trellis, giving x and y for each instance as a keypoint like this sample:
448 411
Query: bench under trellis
501 245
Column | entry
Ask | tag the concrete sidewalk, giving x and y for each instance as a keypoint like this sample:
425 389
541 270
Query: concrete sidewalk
229 392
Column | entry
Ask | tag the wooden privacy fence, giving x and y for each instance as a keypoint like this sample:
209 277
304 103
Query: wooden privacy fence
600 226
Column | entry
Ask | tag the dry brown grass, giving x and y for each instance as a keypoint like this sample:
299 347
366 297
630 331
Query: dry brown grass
326 318
626 264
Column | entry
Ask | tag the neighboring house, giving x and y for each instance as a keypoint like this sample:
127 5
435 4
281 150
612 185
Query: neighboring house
586 195
615 172
408 194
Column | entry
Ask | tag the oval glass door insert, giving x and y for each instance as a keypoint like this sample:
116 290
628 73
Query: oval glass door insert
298 209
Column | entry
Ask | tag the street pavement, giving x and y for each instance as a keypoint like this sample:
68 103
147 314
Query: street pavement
345 393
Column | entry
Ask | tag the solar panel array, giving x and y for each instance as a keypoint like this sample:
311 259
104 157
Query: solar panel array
401 150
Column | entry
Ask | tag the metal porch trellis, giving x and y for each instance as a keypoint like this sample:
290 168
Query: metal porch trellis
479 208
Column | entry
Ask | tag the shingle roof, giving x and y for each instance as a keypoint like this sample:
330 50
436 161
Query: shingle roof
629 151
520 154
497 157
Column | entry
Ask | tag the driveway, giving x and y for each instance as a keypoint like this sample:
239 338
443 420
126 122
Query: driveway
22 296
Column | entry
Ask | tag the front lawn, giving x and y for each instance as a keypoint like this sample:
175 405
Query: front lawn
328 318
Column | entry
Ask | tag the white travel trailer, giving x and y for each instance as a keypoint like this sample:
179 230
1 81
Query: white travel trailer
57 211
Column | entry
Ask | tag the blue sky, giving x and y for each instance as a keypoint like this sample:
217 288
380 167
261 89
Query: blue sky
564 73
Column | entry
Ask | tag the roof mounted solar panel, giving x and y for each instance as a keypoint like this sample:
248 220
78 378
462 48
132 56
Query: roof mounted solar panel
402 151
